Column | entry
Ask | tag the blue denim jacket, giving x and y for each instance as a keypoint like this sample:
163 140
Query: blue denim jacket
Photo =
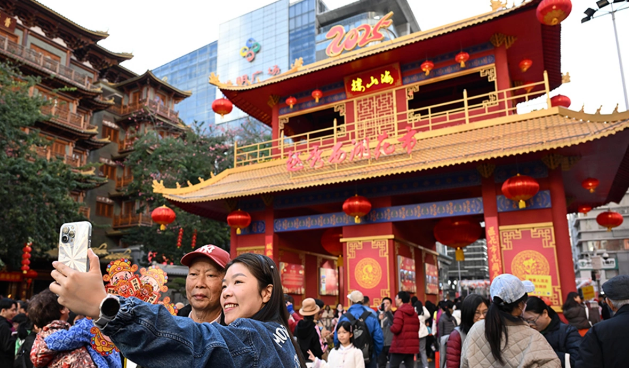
373 325
150 336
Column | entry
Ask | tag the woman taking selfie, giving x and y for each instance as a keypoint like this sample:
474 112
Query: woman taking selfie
562 337
473 309
509 340
252 300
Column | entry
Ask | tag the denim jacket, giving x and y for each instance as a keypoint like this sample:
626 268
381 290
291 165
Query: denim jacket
150 336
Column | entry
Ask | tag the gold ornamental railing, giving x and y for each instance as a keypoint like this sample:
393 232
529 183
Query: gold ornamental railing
30 56
152 105
467 110
132 220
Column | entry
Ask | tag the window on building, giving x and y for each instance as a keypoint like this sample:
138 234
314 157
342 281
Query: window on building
104 209
12 37
108 171
109 132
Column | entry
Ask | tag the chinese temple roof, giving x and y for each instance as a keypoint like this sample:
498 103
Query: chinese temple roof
557 130
534 41
149 77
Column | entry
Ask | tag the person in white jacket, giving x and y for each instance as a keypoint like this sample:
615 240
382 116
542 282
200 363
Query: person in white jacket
423 315
344 355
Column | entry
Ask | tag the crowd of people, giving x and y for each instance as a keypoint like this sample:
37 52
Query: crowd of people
238 316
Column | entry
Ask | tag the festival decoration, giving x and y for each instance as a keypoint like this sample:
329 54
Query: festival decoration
528 86
584 208
560 100
26 257
457 233
525 64
520 188
291 101
461 58
180 237
222 106
427 66
163 216
356 207
194 239
553 12
30 275
331 241
590 184
238 220
609 220
317 94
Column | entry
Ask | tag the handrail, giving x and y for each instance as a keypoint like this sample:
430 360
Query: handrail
132 220
466 110
65 117
153 105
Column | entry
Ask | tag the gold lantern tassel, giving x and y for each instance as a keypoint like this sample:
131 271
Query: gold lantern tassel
522 204
459 255
357 219
317 100
609 229
238 231
339 261
592 190
162 227
462 64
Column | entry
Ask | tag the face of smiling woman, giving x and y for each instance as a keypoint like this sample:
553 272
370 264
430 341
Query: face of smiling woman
241 297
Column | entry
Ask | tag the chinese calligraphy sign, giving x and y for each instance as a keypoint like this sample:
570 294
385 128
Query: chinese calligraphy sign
7 22
373 80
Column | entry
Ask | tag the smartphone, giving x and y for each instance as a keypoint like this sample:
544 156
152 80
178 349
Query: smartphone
75 239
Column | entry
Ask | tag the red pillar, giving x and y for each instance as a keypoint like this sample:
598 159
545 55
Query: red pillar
271 245
490 208
275 128
503 79
562 233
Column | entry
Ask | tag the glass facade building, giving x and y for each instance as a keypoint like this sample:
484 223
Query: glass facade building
302 31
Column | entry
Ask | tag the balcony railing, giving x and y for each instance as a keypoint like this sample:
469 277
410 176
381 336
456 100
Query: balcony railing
123 181
132 220
65 117
30 56
126 144
85 211
154 106
468 110
75 160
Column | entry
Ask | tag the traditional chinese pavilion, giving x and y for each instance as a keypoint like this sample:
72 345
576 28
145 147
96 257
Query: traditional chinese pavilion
422 130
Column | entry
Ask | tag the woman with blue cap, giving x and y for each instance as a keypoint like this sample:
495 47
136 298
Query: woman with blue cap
503 339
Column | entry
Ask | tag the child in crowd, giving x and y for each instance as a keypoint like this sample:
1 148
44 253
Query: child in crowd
344 354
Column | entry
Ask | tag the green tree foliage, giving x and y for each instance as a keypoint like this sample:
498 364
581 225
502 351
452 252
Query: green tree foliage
34 192
196 154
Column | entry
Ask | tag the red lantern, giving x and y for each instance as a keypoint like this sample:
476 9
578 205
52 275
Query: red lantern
317 94
27 248
163 216
238 220
520 188
461 58
26 257
180 237
584 209
31 274
553 12
194 238
609 220
560 100
590 184
24 269
356 207
26 262
528 86
525 65
222 106
457 233
291 101
331 241
427 66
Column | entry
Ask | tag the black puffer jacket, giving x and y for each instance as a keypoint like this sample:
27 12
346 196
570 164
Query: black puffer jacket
577 317
564 339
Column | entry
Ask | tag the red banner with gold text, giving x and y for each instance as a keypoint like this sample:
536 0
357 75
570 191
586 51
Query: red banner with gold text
368 269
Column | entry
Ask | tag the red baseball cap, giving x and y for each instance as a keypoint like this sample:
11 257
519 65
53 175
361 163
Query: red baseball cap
210 251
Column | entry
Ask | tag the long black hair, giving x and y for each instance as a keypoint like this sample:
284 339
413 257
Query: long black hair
347 326
446 306
468 310
265 271
570 302
537 306
495 324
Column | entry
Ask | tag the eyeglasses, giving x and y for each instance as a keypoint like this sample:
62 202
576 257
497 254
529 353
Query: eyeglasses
532 321
483 313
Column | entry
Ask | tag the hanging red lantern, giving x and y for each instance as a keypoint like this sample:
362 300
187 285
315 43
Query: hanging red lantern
291 101
457 233
560 100
194 239
238 220
180 237
528 86
584 209
26 257
461 58
525 64
222 106
427 66
553 12
30 275
331 241
520 188
609 220
27 248
317 94
356 207
590 184
163 216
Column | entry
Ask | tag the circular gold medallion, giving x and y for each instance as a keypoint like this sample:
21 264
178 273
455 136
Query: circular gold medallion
368 273
529 262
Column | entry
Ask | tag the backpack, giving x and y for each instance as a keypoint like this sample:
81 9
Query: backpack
362 338
22 355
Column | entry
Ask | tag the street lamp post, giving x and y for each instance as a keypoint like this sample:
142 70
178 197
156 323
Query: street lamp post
589 12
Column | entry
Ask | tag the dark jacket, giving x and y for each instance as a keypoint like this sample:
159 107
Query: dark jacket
7 343
386 323
23 359
308 338
405 331
453 352
576 317
446 325
606 344
564 339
